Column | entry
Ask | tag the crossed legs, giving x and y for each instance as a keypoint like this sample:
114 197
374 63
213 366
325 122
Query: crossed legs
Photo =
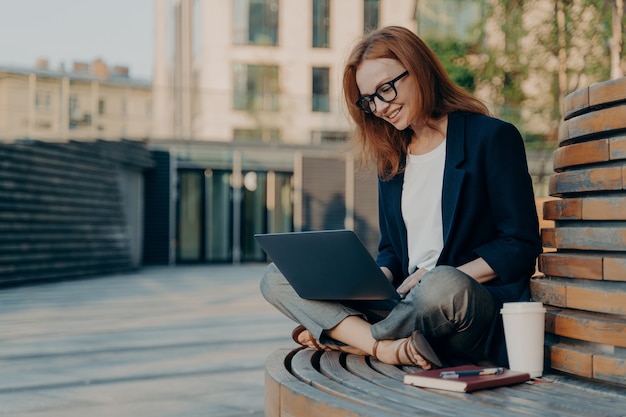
447 307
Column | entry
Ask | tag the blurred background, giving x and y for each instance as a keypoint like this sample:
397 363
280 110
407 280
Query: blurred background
165 132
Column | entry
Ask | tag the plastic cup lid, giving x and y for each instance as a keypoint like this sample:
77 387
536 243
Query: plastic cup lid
523 307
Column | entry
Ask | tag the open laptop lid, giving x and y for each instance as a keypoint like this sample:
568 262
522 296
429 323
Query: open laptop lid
327 265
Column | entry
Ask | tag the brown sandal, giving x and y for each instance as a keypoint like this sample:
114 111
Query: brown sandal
317 346
297 331
421 346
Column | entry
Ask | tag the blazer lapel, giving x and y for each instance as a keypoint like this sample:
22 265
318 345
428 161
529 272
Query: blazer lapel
453 176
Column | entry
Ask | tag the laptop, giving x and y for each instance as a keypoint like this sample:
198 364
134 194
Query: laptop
327 265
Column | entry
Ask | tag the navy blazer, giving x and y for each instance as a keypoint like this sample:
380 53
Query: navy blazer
488 207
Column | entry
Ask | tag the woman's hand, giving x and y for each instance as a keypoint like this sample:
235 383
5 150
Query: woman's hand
411 281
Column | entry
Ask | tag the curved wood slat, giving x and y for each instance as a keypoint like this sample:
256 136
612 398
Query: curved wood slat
331 367
592 296
580 154
586 180
599 94
571 265
596 238
590 327
287 395
589 208
575 103
302 369
602 121
598 266
588 362
593 152
572 360
548 238
563 209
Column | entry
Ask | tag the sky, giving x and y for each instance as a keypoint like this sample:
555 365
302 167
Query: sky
120 32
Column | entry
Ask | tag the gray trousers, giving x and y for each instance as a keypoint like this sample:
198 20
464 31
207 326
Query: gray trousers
452 310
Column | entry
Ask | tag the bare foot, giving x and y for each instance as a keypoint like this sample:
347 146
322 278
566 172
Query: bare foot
399 352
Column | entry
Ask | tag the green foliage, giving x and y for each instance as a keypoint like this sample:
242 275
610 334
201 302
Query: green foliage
452 54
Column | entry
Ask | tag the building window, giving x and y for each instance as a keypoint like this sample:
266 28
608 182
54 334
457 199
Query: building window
321 23
371 10
77 119
445 19
43 100
255 22
328 136
101 106
256 87
264 135
321 98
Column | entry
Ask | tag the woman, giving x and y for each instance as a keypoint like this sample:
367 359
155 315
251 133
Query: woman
458 224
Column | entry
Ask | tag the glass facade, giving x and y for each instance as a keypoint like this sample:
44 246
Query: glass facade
371 9
321 23
211 211
255 22
320 87
255 87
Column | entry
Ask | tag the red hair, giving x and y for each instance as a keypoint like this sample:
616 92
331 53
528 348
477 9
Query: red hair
436 95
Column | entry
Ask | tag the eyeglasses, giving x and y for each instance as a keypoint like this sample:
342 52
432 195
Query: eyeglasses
385 92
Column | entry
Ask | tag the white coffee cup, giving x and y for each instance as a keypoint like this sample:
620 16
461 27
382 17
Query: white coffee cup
524 326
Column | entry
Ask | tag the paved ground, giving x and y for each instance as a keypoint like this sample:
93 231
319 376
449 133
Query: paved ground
184 341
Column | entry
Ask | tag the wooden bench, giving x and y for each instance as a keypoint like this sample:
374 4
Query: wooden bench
583 287
584 276
303 382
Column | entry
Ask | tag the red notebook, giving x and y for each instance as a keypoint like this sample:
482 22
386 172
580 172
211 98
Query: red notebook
434 379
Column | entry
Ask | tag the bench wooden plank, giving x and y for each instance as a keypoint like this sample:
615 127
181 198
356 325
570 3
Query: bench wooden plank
563 209
591 238
589 98
302 369
577 265
525 399
569 359
610 369
331 367
617 147
590 327
601 297
585 180
607 92
548 237
297 398
572 265
589 362
615 268
581 153
552 396
575 102
604 208
599 122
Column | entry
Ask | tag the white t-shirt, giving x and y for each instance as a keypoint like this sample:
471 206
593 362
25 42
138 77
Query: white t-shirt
421 207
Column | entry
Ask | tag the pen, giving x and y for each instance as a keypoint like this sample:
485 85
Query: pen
476 372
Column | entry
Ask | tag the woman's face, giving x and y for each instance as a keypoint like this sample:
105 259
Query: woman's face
373 73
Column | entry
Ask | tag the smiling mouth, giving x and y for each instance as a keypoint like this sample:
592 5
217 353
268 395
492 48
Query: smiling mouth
394 114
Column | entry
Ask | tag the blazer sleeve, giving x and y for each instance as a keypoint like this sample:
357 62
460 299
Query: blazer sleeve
512 254
389 241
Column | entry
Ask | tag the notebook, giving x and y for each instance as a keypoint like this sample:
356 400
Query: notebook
470 383
327 265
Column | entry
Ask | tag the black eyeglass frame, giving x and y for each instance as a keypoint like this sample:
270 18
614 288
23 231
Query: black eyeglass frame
370 97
